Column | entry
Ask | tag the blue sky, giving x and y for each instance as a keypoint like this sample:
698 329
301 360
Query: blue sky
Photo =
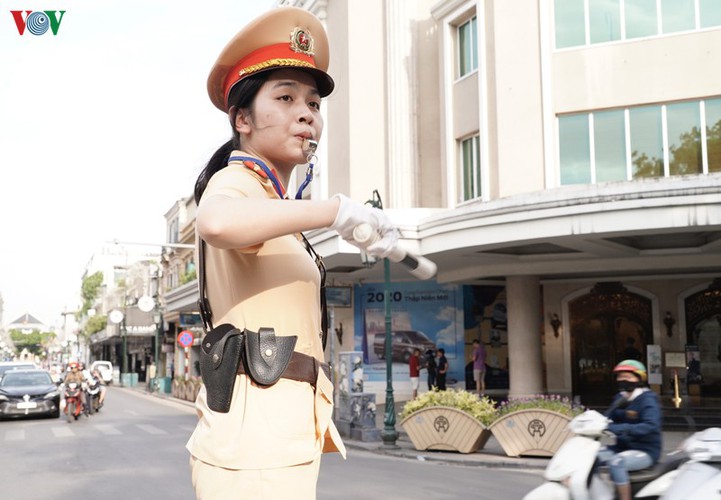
102 128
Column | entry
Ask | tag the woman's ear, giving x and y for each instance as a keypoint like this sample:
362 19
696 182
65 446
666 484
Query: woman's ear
241 121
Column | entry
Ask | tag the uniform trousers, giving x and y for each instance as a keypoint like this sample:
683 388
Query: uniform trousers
297 482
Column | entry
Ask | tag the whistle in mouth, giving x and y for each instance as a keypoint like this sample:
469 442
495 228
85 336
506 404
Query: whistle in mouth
309 146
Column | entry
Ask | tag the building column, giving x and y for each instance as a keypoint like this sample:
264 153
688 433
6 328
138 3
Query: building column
523 299
401 90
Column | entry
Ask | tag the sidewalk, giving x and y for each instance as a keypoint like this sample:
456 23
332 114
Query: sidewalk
492 455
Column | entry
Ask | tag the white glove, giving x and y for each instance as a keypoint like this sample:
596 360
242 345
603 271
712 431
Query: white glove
351 214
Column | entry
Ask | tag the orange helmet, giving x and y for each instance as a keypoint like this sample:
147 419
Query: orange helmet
72 364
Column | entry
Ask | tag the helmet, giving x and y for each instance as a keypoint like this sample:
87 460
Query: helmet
72 364
633 366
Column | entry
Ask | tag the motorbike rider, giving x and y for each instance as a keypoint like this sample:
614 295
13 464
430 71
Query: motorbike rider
88 379
636 422
101 384
76 375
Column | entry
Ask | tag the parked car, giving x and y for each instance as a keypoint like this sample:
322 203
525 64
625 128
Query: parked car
404 341
105 368
28 392
15 365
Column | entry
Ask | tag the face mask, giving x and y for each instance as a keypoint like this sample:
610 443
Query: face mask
626 385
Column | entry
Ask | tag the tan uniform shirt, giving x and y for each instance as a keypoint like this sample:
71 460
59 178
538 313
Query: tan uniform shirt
275 284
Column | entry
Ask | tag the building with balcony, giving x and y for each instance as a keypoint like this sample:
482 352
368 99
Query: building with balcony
560 160
128 340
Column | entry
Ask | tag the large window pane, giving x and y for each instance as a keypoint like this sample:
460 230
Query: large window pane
646 141
474 46
641 18
677 15
575 154
470 169
684 138
570 23
605 20
609 138
468 58
713 134
710 11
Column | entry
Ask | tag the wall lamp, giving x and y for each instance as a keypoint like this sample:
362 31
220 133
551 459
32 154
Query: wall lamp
669 322
555 324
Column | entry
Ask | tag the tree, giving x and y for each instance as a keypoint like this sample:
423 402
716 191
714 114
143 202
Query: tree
89 292
35 342
95 324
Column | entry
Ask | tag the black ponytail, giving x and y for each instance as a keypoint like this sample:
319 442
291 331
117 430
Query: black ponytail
218 161
241 97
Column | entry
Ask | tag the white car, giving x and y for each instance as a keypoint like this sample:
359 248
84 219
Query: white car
105 368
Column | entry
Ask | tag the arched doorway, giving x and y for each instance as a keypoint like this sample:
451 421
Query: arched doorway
608 324
703 330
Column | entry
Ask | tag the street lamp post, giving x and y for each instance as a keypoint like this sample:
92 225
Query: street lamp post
116 316
389 435
158 317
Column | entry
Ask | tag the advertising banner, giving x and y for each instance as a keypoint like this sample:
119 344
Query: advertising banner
424 315
655 372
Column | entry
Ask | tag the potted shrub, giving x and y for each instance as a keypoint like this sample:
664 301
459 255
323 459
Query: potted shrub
178 387
536 425
452 420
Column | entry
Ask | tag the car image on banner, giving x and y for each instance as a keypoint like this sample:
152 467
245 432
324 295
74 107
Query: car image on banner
403 343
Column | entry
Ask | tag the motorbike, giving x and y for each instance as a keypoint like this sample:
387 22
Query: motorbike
699 477
73 401
93 396
573 472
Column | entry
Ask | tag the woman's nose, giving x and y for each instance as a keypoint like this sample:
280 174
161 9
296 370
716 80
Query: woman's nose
305 115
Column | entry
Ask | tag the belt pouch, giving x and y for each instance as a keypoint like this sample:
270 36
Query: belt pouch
220 354
266 355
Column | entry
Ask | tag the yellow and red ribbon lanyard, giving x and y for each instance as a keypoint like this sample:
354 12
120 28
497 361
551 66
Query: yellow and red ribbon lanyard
265 171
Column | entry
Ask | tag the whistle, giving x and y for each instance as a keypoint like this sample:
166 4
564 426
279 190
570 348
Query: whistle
309 146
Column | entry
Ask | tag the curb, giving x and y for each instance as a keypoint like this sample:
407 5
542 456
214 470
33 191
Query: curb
470 460
142 391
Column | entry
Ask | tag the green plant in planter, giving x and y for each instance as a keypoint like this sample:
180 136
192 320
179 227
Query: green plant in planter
552 402
482 409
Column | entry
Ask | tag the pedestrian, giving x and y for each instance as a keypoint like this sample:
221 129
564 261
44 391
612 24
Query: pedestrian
414 371
479 366
431 369
264 440
442 369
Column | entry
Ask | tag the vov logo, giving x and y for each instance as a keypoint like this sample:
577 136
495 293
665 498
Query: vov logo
38 22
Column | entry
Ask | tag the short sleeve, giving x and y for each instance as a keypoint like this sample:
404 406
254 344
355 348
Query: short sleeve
237 181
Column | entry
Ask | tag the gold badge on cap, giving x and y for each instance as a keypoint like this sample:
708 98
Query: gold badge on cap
301 41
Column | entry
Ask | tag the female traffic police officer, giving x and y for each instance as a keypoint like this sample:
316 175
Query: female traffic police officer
269 79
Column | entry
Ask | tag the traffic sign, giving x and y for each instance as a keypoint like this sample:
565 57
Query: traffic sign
186 338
